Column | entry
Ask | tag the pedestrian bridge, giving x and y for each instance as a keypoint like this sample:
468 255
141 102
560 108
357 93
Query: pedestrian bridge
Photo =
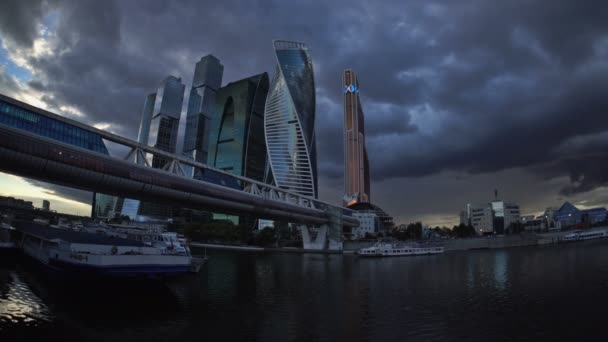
44 146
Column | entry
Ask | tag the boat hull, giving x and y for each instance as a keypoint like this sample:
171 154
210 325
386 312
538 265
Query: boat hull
380 251
120 271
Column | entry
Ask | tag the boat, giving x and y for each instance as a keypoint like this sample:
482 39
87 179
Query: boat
579 235
168 242
6 237
397 249
90 254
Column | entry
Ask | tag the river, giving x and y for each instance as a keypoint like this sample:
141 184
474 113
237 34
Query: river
519 294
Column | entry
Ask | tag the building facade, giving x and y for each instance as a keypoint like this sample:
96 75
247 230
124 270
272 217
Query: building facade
46 205
568 216
482 220
493 218
369 223
237 144
159 127
146 119
289 120
207 81
356 163
165 117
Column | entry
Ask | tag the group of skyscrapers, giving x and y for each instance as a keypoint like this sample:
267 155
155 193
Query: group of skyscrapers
256 127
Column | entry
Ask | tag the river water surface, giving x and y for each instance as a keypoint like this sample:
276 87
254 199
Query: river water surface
521 294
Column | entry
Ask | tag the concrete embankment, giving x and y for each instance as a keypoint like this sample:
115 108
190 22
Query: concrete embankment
489 242
262 249
231 247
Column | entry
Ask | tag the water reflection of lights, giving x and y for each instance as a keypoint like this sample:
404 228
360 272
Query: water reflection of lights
18 304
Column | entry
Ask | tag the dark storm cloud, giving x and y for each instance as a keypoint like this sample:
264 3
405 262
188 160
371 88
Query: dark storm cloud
474 87
16 18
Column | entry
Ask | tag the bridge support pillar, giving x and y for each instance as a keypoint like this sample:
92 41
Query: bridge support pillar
328 236
310 240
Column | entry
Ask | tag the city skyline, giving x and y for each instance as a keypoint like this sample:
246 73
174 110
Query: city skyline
459 119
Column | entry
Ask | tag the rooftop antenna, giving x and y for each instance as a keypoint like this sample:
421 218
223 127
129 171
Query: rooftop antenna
496 194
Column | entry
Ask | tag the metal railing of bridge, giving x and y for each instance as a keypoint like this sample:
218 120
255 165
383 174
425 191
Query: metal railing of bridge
141 154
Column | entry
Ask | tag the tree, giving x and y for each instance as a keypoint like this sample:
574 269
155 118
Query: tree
463 231
414 230
266 237
411 231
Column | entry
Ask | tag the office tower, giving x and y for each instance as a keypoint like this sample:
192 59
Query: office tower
159 126
289 120
165 117
205 84
46 205
356 164
237 143
146 119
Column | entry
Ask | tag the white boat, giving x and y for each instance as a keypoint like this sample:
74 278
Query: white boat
167 242
584 235
6 237
398 249
90 254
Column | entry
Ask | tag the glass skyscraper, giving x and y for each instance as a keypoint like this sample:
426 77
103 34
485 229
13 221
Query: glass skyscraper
159 126
237 143
205 84
165 117
289 120
146 119
356 164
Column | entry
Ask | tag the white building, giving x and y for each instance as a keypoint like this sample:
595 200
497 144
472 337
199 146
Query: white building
368 223
482 219
495 217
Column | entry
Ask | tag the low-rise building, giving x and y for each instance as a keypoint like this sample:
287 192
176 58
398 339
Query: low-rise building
569 215
482 220
15 203
369 223
493 218
532 223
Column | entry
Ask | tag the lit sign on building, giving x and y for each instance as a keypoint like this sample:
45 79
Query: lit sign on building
351 89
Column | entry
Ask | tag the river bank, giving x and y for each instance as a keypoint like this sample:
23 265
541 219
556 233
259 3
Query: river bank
450 245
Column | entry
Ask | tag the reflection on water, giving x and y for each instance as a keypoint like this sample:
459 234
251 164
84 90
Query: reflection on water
18 304
519 294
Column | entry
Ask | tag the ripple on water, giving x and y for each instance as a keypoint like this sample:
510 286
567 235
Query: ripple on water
19 305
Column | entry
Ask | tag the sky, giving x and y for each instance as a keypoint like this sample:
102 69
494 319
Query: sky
460 97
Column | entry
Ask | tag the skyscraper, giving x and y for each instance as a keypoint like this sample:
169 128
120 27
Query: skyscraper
146 119
356 164
289 120
205 84
165 117
159 125
237 142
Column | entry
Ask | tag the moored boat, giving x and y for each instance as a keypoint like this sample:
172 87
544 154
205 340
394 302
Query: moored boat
579 235
6 237
397 249
90 254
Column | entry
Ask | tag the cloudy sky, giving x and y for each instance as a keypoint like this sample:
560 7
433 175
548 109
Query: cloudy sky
460 97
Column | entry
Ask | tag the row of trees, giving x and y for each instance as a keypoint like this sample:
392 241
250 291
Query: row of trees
414 231
227 232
